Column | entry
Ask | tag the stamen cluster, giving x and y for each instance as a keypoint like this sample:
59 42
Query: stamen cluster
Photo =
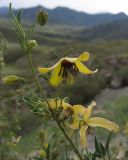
68 68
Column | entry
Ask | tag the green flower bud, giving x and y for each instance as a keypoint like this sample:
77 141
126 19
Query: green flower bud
32 43
11 79
42 18
42 154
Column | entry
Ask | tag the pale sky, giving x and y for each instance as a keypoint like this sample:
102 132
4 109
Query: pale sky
89 6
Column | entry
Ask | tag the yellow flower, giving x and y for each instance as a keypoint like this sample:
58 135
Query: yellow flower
82 120
58 104
67 68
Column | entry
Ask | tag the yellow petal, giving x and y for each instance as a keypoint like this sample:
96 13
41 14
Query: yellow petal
66 105
52 103
79 109
72 60
56 79
75 124
84 56
83 139
88 111
44 70
104 123
83 69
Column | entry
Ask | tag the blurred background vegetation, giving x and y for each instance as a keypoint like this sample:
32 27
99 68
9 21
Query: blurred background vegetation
107 42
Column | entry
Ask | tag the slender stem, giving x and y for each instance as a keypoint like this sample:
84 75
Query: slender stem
87 153
109 158
53 115
36 80
66 135
60 94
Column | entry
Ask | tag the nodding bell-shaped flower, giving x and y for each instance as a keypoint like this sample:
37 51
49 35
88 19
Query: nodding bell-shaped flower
67 69
82 120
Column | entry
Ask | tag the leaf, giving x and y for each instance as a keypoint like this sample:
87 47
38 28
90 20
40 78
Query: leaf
103 150
94 156
108 141
86 157
19 16
97 146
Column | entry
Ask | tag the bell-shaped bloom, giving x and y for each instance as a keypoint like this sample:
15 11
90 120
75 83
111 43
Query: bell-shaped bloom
82 120
58 103
67 68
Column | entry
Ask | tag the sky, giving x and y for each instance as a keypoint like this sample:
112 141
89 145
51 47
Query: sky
89 6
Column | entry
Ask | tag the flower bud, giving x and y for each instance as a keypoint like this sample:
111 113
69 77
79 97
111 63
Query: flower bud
10 79
42 154
42 18
32 43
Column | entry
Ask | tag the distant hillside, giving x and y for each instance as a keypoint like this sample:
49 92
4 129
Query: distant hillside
61 15
112 31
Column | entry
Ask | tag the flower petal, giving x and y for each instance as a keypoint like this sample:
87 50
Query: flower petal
83 69
104 123
44 70
66 105
52 103
88 111
72 60
75 124
56 79
84 56
79 109
83 139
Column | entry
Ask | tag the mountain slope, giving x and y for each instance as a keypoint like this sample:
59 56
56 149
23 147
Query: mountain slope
112 31
62 15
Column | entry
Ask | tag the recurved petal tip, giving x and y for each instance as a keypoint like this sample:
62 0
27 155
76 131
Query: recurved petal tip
43 70
95 71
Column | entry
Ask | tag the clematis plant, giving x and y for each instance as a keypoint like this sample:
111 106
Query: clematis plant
56 110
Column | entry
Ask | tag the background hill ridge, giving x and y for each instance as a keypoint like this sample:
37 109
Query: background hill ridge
67 16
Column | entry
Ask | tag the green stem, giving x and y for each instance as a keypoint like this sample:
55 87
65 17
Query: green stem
87 153
60 95
36 80
53 115
109 158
